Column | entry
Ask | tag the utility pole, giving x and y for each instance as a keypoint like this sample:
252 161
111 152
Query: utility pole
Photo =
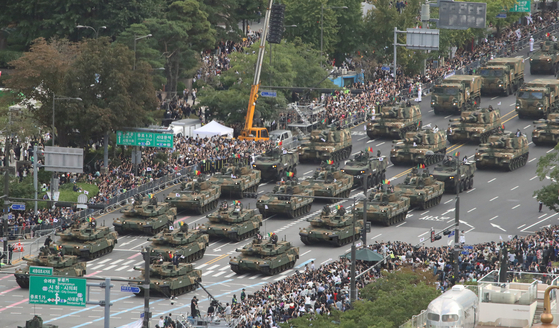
35 173
147 314
365 187
456 236
6 192
353 288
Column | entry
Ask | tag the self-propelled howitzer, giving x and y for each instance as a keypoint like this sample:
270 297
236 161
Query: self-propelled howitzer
506 150
474 126
329 182
385 207
546 131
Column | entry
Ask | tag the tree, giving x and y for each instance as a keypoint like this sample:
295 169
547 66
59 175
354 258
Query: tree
547 170
350 23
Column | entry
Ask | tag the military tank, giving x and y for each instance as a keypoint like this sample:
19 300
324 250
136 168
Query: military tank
474 126
237 180
328 181
427 146
365 166
146 218
505 150
546 131
197 195
36 322
62 265
86 240
274 163
422 189
333 228
266 256
189 245
326 144
233 222
287 202
169 280
456 175
395 121
386 207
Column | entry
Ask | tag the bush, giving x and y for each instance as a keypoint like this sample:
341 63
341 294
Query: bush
7 56
180 87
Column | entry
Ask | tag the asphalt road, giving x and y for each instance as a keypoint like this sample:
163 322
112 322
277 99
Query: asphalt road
500 205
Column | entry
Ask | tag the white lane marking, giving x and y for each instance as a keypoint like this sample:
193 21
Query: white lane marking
206 273
541 216
530 161
214 267
540 221
521 226
371 141
105 261
448 201
280 278
140 263
218 274
380 144
512 104
242 276
355 153
225 267
515 206
549 151
307 252
255 276
263 184
473 209
307 172
363 138
530 143
431 110
469 191
266 278
426 232
514 188
201 266
230 275
492 199
494 98
527 126
533 178
448 116
96 267
498 227
401 224
493 218
424 213
377 236
491 180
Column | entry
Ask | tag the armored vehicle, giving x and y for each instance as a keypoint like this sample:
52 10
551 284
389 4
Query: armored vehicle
538 98
422 189
233 222
334 228
364 166
502 75
188 245
326 144
474 126
287 202
546 132
274 163
328 181
545 60
456 94
427 146
456 175
504 150
169 280
87 240
198 196
386 207
62 265
395 121
237 180
266 256
147 218
36 322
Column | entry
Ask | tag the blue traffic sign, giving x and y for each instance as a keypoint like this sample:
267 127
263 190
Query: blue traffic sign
464 253
18 207
268 94
130 289
468 247
385 68
502 15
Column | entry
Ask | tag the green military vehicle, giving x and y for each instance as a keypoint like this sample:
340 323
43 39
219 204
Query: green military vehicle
287 202
385 207
474 126
333 228
36 322
170 280
456 175
427 146
538 98
395 121
456 94
326 144
502 75
422 189
237 181
62 265
274 163
505 150
546 60
86 240
198 196
546 131
189 246
266 256
328 181
233 222
364 166
147 218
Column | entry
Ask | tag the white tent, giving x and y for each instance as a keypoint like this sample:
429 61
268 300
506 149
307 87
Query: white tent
213 129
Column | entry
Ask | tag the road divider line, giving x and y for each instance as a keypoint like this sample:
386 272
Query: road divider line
401 224
15 304
521 226
491 180
527 126
9 290
542 220
493 218
515 206
305 253
533 159
492 199
533 178
473 209
514 188
549 151
469 191
448 201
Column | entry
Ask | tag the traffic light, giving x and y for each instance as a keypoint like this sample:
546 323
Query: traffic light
447 232
276 23
432 235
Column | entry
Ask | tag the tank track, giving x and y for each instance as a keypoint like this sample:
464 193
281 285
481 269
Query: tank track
345 241
341 154
431 202
281 268
518 162
343 194
300 211
196 256
396 219
94 255
152 232
245 235
22 280
208 207
306 240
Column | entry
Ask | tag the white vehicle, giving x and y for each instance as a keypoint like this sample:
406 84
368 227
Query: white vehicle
456 308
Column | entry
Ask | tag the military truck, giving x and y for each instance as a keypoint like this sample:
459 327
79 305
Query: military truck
147 218
326 144
364 166
538 98
328 181
505 150
86 240
474 126
385 207
456 94
287 201
422 189
274 163
427 146
233 222
237 180
333 228
266 256
62 265
502 75
197 195
456 175
189 246
546 131
170 280
36 322
395 121
546 59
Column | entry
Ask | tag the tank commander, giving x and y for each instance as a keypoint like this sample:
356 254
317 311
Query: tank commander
274 239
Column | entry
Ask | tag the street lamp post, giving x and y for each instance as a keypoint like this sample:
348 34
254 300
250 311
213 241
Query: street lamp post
322 25
94 30
136 39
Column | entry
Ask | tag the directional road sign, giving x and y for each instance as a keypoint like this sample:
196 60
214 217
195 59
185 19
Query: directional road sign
148 139
57 291
268 94
521 6
385 68
18 206
130 289
40 271
502 15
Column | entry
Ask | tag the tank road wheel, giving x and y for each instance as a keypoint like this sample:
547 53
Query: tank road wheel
292 214
423 205
305 240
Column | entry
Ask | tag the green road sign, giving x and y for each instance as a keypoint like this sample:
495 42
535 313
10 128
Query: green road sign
148 139
521 6
40 271
57 291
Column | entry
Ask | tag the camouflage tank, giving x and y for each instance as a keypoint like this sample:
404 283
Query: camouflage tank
169 280
423 147
188 244
36 322
237 180
288 203
333 228
146 218
62 265
422 189
395 121
474 126
456 175
385 207
266 256
504 150
365 166
274 163
233 222
328 181
87 240
546 132
198 196
545 60
326 144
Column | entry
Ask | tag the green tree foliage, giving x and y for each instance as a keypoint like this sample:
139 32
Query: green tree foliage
547 170
226 15
351 26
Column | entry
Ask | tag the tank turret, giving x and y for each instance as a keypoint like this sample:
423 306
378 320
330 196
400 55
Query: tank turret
170 280
332 227
198 195
505 150
237 180
189 245
268 256
148 218
233 222
86 239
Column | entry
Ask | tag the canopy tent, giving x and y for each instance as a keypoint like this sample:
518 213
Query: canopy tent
213 129
365 254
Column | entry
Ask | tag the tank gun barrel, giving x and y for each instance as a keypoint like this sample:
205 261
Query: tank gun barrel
496 144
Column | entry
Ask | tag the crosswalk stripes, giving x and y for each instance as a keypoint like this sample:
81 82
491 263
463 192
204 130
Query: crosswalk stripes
280 278
230 275
124 265
206 273
201 266
255 276
218 274
213 267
